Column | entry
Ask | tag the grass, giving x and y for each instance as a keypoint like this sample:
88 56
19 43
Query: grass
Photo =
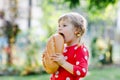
30 77
106 73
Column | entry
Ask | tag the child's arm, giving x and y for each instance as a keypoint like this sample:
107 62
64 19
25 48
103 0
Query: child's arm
59 58
67 66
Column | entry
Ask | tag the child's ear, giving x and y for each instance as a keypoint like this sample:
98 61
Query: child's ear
77 32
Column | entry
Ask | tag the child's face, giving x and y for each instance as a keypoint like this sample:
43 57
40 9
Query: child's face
68 30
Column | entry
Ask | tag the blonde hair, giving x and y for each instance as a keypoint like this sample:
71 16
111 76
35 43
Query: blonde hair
77 20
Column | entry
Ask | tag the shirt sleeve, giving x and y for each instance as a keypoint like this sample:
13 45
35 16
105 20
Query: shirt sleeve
80 67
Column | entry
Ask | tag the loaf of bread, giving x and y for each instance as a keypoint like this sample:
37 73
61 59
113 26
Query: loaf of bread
54 45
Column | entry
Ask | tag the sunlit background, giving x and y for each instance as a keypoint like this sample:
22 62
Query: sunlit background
29 24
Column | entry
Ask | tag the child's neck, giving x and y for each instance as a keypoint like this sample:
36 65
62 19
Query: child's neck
73 43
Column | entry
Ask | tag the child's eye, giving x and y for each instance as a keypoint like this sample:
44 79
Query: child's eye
58 25
64 25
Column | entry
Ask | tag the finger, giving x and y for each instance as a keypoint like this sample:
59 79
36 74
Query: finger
53 57
58 54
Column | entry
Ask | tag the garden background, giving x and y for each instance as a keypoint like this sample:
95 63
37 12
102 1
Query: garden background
31 22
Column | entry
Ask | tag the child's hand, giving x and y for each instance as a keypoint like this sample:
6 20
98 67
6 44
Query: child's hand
59 58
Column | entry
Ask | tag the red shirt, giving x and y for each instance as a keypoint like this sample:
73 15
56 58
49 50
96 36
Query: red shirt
78 56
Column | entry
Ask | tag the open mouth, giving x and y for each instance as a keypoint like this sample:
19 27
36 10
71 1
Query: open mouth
62 35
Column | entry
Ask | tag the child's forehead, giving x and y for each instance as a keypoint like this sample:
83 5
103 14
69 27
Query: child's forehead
64 19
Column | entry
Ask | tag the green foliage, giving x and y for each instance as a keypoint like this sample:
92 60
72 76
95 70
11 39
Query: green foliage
32 63
11 32
47 21
102 20
100 4
73 3
101 51
50 16
104 14
93 5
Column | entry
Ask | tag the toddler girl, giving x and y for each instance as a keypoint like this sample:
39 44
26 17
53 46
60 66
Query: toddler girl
74 60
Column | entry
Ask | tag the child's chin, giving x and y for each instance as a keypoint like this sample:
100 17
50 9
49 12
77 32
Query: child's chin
65 42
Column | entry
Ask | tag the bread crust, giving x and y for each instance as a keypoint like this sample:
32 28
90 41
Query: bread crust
54 45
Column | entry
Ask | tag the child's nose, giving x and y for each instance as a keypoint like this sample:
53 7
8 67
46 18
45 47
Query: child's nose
59 30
